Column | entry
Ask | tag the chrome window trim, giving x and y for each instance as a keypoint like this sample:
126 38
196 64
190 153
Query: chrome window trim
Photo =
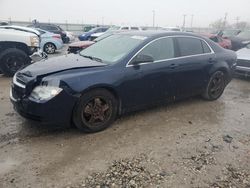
174 36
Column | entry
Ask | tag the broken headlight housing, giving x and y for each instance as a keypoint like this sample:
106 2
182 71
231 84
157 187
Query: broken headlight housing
44 93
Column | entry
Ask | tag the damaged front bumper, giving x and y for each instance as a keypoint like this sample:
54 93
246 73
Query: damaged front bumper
38 56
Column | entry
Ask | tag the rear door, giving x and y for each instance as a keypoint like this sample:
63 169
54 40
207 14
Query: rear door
190 71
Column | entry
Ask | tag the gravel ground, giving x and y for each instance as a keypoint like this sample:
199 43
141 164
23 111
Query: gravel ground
192 143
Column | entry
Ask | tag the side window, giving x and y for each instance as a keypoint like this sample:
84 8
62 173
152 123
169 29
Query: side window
124 28
43 27
215 39
160 49
220 39
189 46
134 28
53 28
41 32
206 49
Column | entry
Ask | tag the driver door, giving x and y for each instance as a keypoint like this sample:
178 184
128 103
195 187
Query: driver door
150 82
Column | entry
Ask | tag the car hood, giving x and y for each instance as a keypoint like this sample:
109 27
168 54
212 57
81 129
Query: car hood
59 64
243 53
20 28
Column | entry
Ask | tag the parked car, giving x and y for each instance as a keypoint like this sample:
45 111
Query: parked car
96 35
123 72
129 28
115 28
172 28
228 33
75 47
70 35
241 40
53 29
243 62
144 28
87 35
16 45
88 28
50 42
224 43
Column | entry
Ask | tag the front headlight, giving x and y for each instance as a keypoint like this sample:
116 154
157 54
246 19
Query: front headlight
34 41
45 92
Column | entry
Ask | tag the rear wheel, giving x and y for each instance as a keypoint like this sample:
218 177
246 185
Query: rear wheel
95 111
49 48
11 60
215 87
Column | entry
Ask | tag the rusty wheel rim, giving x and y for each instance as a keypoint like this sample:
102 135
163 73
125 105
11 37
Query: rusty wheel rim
97 112
217 85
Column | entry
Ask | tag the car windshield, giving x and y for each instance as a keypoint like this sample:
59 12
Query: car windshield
244 35
113 48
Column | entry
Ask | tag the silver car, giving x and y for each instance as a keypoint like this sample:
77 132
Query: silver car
243 61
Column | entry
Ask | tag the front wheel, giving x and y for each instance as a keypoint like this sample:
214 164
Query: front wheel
95 111
215 87
11 60
49 48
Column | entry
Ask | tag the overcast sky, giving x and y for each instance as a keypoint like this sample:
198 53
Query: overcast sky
133 12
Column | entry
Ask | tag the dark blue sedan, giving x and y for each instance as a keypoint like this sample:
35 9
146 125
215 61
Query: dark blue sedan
121 73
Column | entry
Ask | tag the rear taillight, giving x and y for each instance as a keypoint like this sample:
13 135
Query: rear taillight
57 36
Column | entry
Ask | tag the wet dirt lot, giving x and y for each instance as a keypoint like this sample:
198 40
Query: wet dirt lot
192 143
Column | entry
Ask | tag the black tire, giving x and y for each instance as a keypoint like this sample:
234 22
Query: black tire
49 48
13 59
215 86
95 111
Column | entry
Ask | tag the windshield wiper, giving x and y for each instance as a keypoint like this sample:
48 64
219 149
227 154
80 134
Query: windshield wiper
93 58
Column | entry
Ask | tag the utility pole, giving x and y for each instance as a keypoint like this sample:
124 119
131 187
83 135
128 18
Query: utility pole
184 22
66 22
237 22
225 20
192 18
102 21
153 18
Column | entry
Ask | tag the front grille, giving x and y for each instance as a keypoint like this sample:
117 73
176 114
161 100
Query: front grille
243 63
20 81
17 92
21 78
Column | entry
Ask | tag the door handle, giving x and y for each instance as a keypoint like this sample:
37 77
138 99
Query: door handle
172 66
211 60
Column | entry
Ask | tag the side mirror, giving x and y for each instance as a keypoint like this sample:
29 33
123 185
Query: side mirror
141 58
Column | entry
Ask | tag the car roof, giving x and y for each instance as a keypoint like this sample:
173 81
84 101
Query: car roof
151 35
159 33
21 28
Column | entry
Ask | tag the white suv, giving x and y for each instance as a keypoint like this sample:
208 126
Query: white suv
16 45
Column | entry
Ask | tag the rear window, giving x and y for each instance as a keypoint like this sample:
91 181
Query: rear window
124 28
206 49
134 28
191 46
